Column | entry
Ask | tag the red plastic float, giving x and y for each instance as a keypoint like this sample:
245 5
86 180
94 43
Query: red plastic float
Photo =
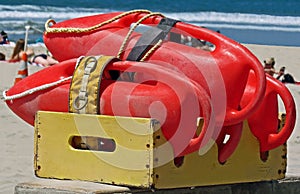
228 140
264 121
145 96
223 72
229 80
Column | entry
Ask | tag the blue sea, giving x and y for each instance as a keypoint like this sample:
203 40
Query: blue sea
271 22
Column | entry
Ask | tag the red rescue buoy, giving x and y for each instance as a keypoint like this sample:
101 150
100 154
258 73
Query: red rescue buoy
223 72
264 122
154 92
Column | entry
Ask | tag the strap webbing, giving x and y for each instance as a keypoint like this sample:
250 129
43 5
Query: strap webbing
151 37
85 86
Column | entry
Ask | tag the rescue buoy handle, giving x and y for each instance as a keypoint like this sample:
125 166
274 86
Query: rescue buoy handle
227 149
203 99
221 43
275 140
257 96
210 127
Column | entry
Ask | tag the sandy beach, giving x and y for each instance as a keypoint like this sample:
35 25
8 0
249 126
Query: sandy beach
16 137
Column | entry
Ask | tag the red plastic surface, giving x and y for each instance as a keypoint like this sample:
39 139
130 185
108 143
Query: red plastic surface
223 72
155 92
264 121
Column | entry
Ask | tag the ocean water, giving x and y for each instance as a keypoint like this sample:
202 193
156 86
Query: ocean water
272 22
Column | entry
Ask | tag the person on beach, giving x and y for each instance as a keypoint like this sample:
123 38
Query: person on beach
280 74
285 77
19 51
42 59
2 57
3 38
269 64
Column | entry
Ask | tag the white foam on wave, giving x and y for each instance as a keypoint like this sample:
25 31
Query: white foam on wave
238 18
251 27
37 15
32 11
40 15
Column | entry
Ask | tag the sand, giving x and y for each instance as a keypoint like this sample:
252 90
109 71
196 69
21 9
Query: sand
16 136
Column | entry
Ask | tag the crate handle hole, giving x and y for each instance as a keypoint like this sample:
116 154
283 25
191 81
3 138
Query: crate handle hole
93 143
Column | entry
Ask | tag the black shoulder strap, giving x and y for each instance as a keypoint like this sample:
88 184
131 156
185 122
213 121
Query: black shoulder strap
151 37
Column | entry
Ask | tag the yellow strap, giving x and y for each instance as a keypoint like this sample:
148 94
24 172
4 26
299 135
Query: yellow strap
85 85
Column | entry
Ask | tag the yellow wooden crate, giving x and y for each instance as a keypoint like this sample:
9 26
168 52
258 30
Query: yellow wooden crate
138 154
